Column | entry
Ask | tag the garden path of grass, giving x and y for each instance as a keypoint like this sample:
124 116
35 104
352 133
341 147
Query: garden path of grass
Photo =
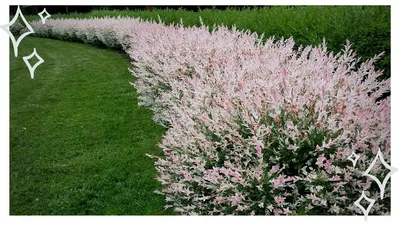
77 137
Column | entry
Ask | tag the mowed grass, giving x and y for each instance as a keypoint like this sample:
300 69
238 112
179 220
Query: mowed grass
77 137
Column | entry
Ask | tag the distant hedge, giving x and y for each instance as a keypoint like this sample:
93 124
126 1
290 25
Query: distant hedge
367 27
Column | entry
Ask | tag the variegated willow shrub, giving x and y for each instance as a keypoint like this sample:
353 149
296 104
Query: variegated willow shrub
16 28
254 127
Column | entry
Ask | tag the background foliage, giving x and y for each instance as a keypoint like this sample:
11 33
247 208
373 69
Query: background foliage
366 27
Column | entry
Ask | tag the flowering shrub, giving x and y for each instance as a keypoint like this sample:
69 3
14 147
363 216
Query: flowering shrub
98 31
16 28
254 127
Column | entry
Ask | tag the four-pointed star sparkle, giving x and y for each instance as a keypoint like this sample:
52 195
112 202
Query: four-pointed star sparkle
6 28
30 67
44 18
381 185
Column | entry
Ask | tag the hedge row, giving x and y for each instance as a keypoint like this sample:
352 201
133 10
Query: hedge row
255 126
367 27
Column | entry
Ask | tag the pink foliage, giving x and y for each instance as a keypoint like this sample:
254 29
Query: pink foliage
250 122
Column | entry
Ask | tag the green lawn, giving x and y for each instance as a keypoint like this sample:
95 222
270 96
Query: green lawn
77 137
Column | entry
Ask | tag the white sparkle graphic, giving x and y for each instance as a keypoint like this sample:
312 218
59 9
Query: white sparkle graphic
44 18
32 68
13 40
371 203
353 158
387 166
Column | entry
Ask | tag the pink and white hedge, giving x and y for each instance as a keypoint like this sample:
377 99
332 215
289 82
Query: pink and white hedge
254 127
